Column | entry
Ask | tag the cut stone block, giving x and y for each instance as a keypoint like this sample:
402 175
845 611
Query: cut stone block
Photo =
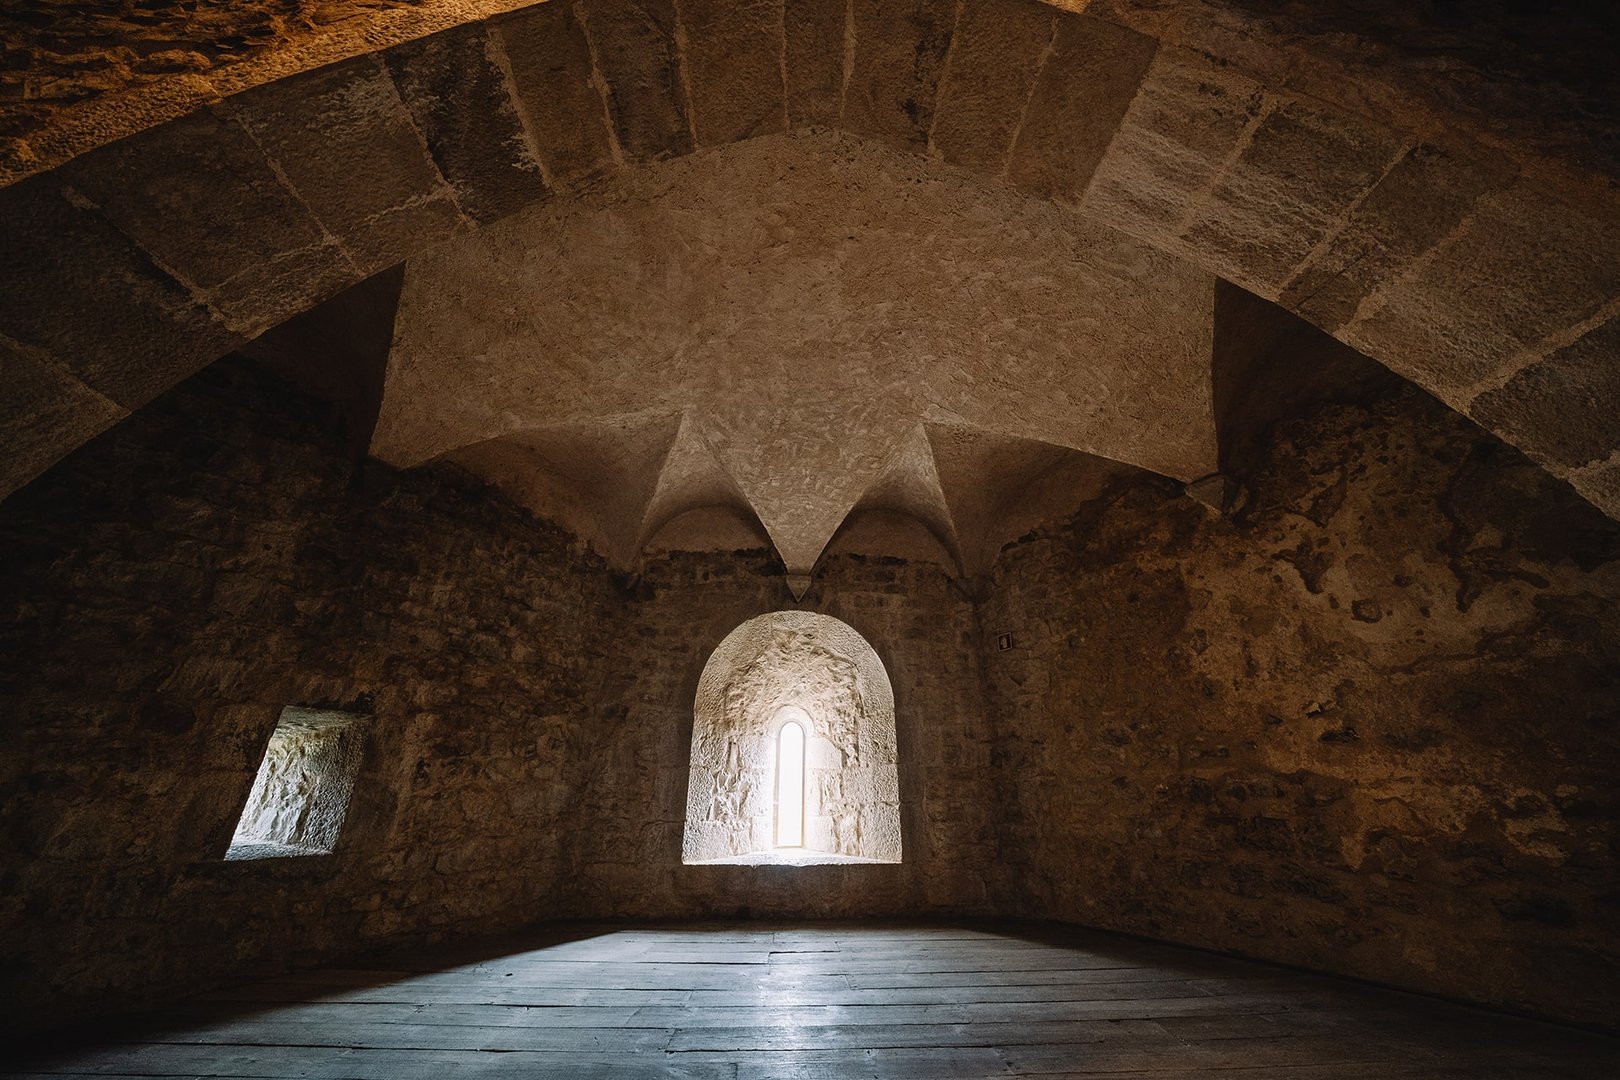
46 413
1532 260
1564 410
346 142
199 195
734 68
814 55
996 55
900 51
634 43
1084 89
1188 117
1411 210
74 287
459 97
553 80
1298 173
1600 485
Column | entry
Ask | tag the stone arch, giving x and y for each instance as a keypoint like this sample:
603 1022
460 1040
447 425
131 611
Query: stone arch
1486 271
821 673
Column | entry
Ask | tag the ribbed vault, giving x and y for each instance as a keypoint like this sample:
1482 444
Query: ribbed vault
799 306
1480 260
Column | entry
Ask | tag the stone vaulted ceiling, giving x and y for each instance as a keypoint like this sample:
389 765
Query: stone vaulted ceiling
788 327
1458 221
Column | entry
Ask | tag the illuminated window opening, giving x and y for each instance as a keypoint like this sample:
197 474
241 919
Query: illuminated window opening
300 794
793 748
790 786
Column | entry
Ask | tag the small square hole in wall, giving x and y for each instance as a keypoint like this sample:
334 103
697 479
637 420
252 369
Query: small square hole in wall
301 792
1004 642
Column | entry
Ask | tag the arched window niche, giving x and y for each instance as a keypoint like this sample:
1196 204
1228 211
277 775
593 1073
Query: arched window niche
793 748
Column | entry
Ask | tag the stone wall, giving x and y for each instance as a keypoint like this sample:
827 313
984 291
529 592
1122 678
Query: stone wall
172 586
924 631
165 592
1368 725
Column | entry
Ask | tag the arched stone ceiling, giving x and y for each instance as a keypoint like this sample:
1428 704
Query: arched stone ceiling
805 303
1454 241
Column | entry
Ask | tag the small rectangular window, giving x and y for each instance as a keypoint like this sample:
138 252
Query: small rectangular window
301 792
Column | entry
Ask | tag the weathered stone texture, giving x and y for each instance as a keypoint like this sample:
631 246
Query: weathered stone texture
555 85
1086 83
732 50
461 99
201 197
996 56
685 604
1529 261
900 52
1565 409
174 584
634 42
814 55
51 413
1189 116
1421 199
818 673
77 289
171 586
1368 725
59 53
345 141
1297 173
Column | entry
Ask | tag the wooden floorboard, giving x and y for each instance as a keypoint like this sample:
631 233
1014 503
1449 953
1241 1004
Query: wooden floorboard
797 1002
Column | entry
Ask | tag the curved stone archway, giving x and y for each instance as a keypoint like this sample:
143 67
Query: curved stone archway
1487 274
816 671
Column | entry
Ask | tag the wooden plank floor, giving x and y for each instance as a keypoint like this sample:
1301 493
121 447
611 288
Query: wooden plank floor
931 1002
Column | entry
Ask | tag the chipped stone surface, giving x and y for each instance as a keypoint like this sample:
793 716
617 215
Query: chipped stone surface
300 795
634 43
733 61
996 55
555 86
462 101
383 197
1087 81
1322 732
899 55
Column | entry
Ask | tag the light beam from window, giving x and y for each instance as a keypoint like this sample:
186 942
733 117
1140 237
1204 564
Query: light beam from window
790 786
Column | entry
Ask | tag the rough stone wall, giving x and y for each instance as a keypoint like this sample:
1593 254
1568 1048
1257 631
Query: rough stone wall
1369 725
164 593
684 605
57 53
